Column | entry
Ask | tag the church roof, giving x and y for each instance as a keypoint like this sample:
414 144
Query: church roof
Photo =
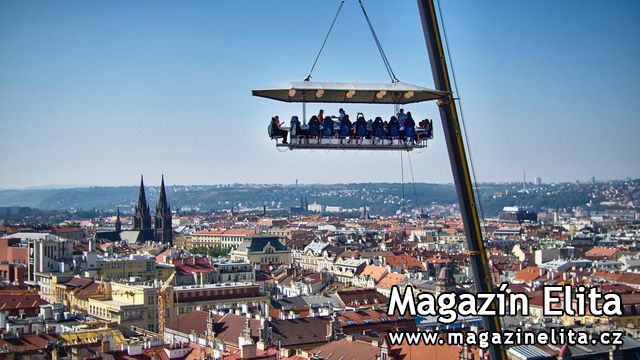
257 243
137 235
108 235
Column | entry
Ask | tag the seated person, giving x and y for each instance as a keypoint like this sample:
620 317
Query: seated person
361 126
327 127
275 131
345 127
394 128
377 128
296 129
427 128
314 127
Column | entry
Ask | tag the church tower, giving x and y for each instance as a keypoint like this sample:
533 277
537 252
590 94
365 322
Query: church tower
118 221
142 215
163 231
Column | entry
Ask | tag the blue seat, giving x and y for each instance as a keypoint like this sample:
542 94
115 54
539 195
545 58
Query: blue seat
295 126
327 127
394 130
378 128
345 127
411 134
314 127
361 128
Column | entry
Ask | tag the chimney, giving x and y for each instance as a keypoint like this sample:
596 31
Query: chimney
248 348
248 351
105 345
75 353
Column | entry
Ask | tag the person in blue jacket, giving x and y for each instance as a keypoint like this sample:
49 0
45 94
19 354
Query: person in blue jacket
275 129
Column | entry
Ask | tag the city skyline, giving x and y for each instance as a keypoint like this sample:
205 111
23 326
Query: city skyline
95 94
170 184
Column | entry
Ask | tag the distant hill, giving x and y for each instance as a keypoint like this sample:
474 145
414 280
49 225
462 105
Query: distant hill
381 198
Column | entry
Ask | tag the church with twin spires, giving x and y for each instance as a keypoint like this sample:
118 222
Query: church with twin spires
142 222
144 229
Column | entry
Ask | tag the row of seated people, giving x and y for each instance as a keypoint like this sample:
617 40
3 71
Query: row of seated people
358 130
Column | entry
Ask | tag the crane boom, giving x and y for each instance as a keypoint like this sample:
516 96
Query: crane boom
459 165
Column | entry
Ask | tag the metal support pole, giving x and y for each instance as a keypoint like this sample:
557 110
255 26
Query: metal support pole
459 165
304 113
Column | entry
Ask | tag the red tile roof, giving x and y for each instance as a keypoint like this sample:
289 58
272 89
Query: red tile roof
15 302
228 327
422 351
376 273
27 343
192 265
347 349
528 274
391 279
601 253
404 261
210 232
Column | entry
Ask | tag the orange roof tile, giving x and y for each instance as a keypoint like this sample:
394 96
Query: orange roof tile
404 261
602 252
391 279
528 274
374 272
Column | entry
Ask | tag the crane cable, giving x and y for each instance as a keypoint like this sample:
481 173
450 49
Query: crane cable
458 98
402 179
413 180
308 78
385 60
403 198
379 45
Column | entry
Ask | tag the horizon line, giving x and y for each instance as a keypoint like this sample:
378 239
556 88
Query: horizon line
84 186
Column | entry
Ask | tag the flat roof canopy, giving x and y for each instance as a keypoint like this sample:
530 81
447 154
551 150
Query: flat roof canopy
362 93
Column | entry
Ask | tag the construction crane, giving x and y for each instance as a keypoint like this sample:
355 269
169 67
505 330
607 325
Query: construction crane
459 165
398 93
163 302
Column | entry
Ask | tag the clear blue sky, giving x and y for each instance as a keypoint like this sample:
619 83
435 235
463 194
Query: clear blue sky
98 92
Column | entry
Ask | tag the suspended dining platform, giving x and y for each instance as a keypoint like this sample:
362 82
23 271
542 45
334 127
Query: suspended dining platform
366 144
359 138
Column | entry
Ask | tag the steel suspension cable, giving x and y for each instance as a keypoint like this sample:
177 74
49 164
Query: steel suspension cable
403 197
379 45
413 180
325 41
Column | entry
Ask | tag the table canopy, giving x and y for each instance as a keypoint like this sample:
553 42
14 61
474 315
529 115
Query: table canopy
337 92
